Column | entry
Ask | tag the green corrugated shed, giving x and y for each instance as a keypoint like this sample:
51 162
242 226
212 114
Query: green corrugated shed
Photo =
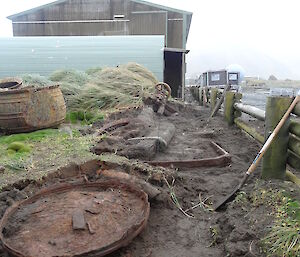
43 55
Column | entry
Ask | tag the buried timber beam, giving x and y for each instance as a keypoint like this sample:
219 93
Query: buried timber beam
274 160
295 127
249 130
294 144
223 160
292 177
113 125
251 110
293 160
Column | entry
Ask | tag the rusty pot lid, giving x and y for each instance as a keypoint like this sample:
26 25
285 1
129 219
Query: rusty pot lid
10 83
84 219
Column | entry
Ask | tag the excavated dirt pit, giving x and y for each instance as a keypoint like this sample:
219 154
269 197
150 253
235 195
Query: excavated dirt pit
235 231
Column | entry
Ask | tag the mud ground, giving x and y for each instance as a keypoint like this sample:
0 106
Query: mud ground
235 231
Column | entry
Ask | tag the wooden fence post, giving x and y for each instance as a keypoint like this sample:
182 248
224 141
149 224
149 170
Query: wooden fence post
228 107
274 160
213 97
201 96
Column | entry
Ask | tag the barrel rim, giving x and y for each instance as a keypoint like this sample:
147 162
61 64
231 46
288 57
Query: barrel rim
16 80
27 89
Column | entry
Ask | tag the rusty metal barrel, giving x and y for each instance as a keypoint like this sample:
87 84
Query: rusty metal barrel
10 83
29 109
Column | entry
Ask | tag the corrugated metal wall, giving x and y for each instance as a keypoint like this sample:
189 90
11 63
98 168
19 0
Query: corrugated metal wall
96 18
43 55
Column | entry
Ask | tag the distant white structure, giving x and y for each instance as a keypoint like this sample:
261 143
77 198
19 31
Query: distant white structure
237 68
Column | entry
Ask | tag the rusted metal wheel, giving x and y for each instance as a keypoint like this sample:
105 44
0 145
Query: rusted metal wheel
164 87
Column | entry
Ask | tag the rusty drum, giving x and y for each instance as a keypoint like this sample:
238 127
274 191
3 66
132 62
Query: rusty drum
28 109
10 83
84 219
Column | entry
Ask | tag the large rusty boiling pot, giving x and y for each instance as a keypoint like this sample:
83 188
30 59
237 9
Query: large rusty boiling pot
10 83
28 109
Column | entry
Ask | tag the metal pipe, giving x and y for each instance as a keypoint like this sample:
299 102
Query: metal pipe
251 110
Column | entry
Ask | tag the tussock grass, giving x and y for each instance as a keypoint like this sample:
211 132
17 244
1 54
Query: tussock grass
35 80
100 89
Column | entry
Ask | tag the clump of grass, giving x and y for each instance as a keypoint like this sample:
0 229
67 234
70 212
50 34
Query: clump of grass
70 76
18 147
214 233
84 117
93 70
32 136
35 80
141 71
284 236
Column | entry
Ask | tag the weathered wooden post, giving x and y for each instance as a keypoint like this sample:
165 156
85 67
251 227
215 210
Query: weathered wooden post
228 107
201 96
229 112
274 160
205 96
213 97
197 93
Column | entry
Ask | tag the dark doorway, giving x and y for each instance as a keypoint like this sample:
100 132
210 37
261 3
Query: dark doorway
173 72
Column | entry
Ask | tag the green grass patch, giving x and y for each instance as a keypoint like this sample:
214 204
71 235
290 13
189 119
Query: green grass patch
47 153
32 136
18 147
83 117
284 237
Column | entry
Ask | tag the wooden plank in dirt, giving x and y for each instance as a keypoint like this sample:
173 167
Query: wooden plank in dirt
78 220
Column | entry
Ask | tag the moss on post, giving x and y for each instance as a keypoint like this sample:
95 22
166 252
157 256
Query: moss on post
274 161
228 107
213 97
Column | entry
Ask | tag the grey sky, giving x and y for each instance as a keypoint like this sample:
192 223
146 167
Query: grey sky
228 30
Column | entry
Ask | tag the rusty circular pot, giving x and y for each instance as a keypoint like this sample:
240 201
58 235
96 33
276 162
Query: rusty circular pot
10 83
84 219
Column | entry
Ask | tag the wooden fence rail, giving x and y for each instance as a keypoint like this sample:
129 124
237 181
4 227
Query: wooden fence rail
286 147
